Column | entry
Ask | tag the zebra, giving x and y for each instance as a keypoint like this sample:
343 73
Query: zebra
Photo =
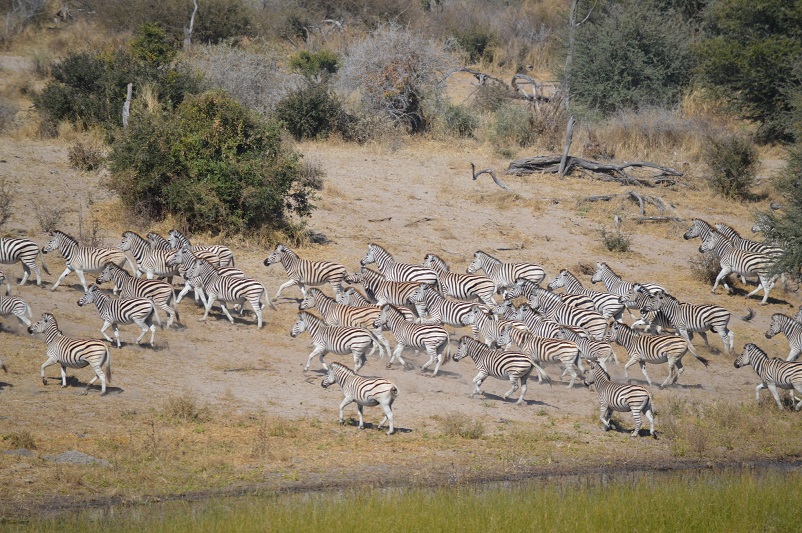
496 333
303 272
184 259
605 303
129 286
653 349
178 240
792 329
637 298
741 262
545 350
505 274
552 307
337 314
773 373
363 391
339 340
461 286
353 298
149 261
25 251
699 228
431 338
440 311
535 323
745 244
217 286
592 350
72 353
688 319
157 242
383 291
622 398
615 285
12 305
82 259
139 311
395 271
523 287
515 366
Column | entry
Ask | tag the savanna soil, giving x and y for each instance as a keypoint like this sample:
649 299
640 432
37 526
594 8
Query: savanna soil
222 407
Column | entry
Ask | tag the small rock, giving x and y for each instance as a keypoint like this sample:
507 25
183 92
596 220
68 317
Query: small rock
20 451
76 458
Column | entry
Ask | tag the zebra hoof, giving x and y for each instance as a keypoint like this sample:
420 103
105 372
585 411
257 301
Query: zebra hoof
44 381
85 392
389 365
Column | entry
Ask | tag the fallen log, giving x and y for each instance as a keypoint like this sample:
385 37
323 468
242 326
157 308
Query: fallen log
614 172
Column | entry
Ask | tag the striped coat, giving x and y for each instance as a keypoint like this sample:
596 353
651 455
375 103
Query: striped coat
505 274
303 272
80 259
24 251
159 291
339 340
622 398
543 350
363 391
791 328
227 289
461 286
774 373
429 337
395 271
139 311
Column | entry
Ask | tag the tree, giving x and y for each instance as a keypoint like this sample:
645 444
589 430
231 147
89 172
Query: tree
783 226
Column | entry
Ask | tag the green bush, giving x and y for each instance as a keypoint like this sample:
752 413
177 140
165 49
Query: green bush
477 42
733 162
515 123
315 65
212 164
152 45
616 241
460 121
310 112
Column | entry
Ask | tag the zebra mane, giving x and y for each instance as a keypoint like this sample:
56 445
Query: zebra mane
283 248
724 229
133 234
487 254
599 368
440 261
337 364
65 235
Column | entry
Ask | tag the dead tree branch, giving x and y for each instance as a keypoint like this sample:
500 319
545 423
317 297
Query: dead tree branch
640 199
613 172
475 175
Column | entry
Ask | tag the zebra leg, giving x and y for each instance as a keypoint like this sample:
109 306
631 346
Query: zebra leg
430 351
257 309
23 319
359 412
679 370
208 307
80 274
722 275
320 351
643 371
26 272
794 354
184 291
50 361
224 307
521 400
359 358
638 421
570 369
797 404
106 325
650 415
98 374
117 335
388 416
397 355
61 277
284 286
773 389
345 402
514 381
604 415
477 384
757 391
634 359
439 351
63 376
688 336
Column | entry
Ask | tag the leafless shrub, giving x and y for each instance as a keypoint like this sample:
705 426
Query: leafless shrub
6 201
253 78
22 13
705 267
49 216
312 174
8 112
41 60
459 424
184 408
85 157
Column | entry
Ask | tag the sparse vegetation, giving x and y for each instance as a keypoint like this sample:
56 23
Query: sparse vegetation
6 201
733 164
458 424
183 408
85 157
616 240
50 216
20 440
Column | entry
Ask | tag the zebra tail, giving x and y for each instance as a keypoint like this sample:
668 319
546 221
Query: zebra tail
42 259
3 366
542 372
156 313
701 359
750 314
28 310
108 364
374 340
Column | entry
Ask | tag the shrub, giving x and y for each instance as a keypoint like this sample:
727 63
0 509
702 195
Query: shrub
733 162
515 123
477 42
85 157
49 216
705 267
152 45
212 164
8 112
22 439
616 241
315 65
184 409
310 112
458 424
460 121
6 201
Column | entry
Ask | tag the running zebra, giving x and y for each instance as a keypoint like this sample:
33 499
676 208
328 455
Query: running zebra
184 260
363 391
178 240
395 271
622 398
157 242
337 314
515 366
773 373
139 311
340 340
353 298
148 260
72 353
25 251
740 262
792 329
614 284
495 333
129 286
524 287
535 323
552 307
745 244
12 305
433 339
699 228
303 272
605 303
652 349
383 291
637 298
543 350
688 319
439 310
224 288
82 259
461 286
592 350
505 274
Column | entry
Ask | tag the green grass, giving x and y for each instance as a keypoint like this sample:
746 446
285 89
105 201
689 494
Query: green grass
685 501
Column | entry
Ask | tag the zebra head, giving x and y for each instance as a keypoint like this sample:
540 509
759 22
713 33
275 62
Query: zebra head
559 281
311 298
56 238
344 297
709 244
177 258
502 309
596 373
381 320
654 301
331 376
105 275
462 349
42 325
504 336
599 274
419 295
476 263
435 263
127 243
696 229
301 325
746 355
89 296
157 242
176 239
356 277
370 257
276 256
776 325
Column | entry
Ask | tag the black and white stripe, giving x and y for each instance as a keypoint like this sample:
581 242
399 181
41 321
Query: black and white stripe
184 259
512 365
80 259
383 291
178 240
73 353
303 272
614 284
592 350
13 305
524 287
688 319
129 286
605 303
505 274
535 323
24 251
699 228
774 373
429 337
217 286
429 303
745 244
339 340
622 398
791 328
545 350
148 260
552 307
461 286
395 271
740 262
363 391
494 333
139 311
652 349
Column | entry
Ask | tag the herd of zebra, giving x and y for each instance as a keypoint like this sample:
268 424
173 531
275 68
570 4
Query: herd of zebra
416 303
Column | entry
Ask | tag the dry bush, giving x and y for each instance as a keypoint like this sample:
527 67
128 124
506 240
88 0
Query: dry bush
21 439
616 241
6 201
8 112
459 424
49 216
705 267
312 174
19 15
41 61
184 408
85 157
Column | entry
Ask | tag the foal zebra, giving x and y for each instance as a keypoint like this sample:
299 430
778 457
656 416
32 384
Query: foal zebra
129 286
12 305
340 340
25 251
303 272
461 286
72 353
139 311
178 240
792 329
395 271
433 339
652 349
773 373
515 366
605 303
505 274
741 262
689 319
82 259
363 391
622 398
227 289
